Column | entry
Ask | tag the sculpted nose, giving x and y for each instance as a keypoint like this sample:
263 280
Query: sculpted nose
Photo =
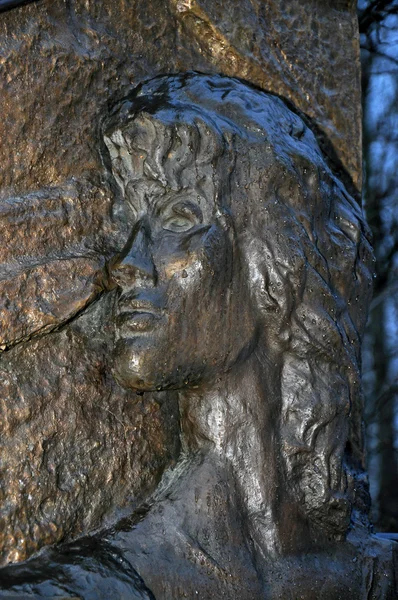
135 262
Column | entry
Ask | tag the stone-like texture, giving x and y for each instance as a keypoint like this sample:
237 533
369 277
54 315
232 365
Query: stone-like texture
240 292
65 464
75 446
61 61
54 244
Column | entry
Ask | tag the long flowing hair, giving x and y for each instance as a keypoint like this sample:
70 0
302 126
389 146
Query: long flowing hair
306 250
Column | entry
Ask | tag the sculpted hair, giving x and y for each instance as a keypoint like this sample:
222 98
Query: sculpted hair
308 258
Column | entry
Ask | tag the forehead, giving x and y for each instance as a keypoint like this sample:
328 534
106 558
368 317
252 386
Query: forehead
151 159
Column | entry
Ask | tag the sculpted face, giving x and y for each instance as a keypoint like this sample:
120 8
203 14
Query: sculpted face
183 310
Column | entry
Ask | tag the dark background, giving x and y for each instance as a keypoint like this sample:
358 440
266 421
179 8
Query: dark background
378 24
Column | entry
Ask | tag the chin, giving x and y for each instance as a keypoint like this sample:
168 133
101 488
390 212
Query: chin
137 366
133 366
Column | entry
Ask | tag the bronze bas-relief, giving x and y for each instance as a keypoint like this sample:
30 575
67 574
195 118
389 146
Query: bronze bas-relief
241 292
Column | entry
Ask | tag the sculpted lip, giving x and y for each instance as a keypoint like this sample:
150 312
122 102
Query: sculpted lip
137 321
137 315
136 305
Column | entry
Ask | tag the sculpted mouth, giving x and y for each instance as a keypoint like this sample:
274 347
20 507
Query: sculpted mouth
127 304
138 321
137 315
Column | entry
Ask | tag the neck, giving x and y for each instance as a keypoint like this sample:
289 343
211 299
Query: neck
232 421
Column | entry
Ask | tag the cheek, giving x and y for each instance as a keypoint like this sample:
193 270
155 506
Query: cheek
180 269
205 264
204 300
201 317
199 281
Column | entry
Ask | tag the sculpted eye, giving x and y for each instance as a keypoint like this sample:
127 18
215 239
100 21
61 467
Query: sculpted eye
178 224
182 217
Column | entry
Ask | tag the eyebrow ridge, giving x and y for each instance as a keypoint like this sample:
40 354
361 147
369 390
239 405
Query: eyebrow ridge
178 198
